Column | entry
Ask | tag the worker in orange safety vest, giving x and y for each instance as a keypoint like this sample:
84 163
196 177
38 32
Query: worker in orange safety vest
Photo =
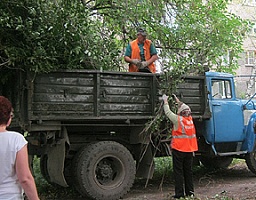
183 145
141 54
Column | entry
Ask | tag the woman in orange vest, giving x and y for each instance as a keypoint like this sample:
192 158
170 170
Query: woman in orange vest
184 144
141 54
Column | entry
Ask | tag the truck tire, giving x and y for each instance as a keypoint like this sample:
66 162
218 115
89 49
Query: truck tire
216 162
250 159
104 170
43 168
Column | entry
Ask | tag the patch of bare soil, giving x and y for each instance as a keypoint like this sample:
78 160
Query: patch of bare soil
236 183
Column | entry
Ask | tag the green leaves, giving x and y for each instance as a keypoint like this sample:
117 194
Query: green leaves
45 35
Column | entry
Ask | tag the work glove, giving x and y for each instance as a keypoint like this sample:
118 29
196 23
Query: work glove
164 97
174 96
144 64
139 65
135 61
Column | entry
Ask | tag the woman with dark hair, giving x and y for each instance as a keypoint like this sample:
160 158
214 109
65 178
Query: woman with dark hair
15 174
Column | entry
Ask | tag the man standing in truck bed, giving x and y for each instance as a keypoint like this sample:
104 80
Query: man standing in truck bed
141 54
184 144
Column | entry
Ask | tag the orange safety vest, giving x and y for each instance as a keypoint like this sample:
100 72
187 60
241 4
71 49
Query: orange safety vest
184 138
136 55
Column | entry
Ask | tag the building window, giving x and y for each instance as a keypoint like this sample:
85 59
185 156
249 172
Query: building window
252 1
249 2
225 59
253 32
249 58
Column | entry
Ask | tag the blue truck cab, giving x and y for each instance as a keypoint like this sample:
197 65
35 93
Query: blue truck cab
230 131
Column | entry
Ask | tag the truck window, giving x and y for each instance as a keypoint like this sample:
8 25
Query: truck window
221 89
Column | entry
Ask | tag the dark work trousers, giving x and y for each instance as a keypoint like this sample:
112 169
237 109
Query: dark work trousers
182 169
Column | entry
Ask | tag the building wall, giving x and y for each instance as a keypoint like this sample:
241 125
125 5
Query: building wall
246 9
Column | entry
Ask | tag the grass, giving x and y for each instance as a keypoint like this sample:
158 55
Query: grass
48 191
41 182
163 166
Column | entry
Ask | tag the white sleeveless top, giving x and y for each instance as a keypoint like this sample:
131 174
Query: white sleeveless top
10 143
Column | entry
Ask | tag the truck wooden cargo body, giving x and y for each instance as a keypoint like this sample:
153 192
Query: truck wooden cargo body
94 102
96 96
86 126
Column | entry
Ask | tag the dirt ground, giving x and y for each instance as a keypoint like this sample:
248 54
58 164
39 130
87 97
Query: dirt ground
236 183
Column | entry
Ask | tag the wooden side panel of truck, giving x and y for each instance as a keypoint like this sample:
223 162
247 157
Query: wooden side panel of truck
69 96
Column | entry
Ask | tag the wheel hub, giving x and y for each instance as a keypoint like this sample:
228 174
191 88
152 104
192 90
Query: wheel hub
105 170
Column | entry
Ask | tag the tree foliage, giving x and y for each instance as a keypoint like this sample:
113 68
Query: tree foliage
47 35
42 35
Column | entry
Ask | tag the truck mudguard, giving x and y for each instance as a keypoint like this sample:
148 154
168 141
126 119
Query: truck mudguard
250 134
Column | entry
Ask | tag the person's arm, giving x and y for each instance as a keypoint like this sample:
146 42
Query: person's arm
152 59
128 59
24 174
177 100
171 115
153 54
128 53
127 56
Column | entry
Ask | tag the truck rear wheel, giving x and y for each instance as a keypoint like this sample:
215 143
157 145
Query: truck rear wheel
250 160
216 162
104 170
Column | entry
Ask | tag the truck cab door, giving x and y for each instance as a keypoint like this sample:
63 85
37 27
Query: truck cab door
226 112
